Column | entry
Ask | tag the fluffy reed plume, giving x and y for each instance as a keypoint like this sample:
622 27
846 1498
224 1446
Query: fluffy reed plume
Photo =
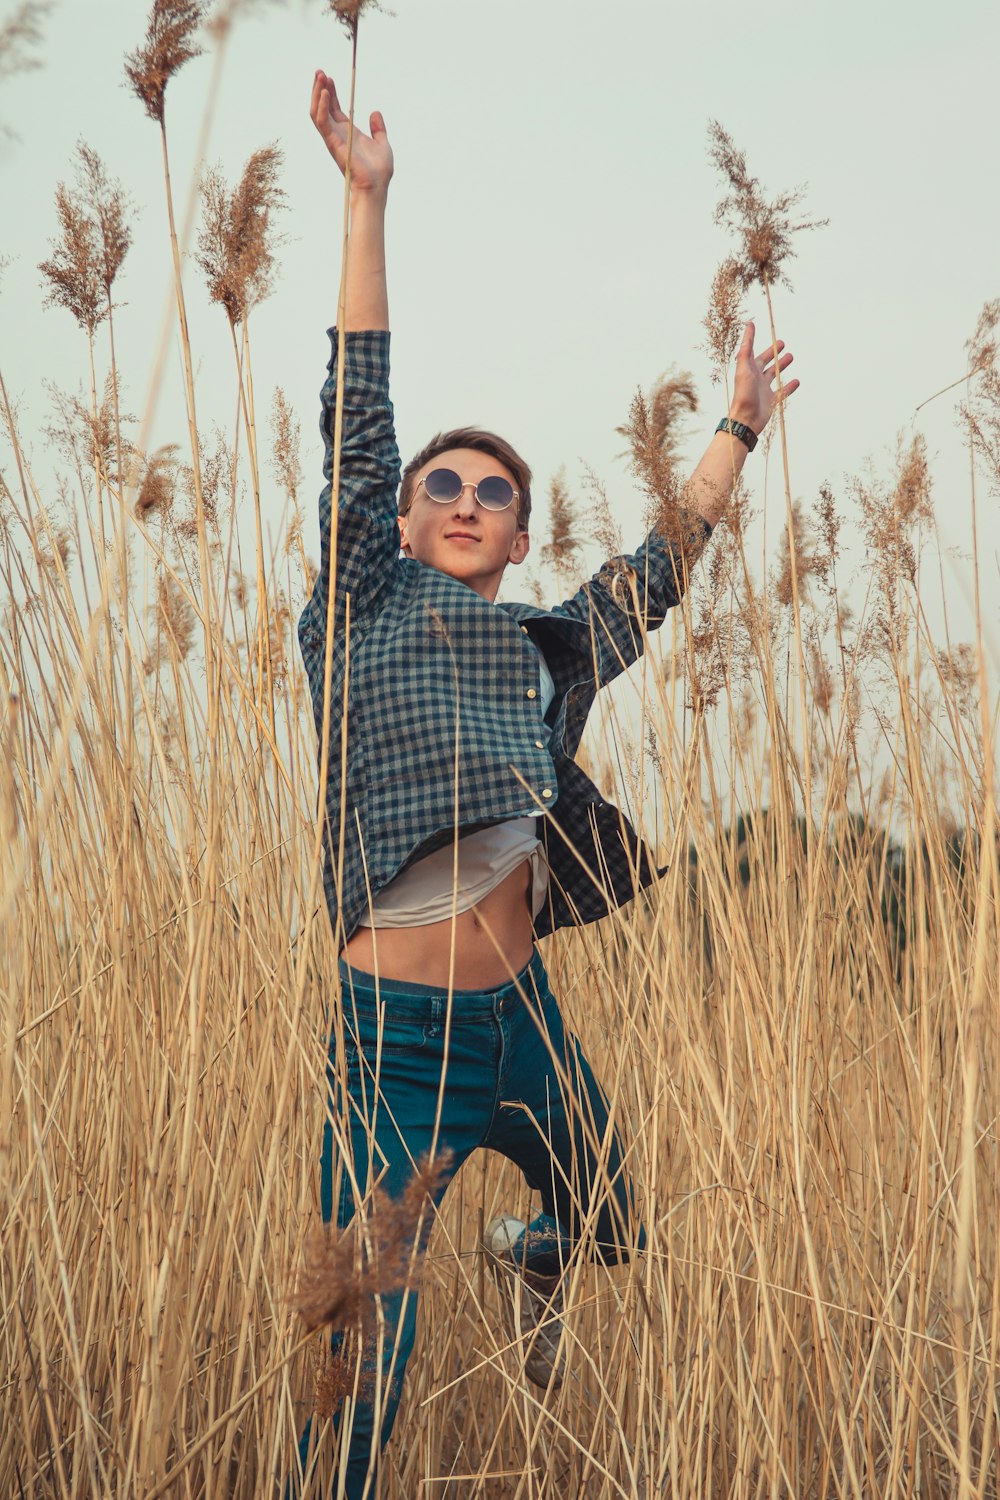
981 408
820 675
286 465
654 431
764 228
827 522
349 12
168 46
21 36
286 461
911 495
345 1269
73 271
94 239
562 550
81 433
726 631
891 517
174 621
109 209
280 640
983 344
603 526
236 241
959 672
158 485
55 545
724 320
806 555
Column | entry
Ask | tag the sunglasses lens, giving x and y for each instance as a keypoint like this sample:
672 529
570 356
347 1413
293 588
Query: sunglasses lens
495 493
443 485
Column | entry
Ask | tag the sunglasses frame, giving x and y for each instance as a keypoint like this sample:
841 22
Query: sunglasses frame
466 484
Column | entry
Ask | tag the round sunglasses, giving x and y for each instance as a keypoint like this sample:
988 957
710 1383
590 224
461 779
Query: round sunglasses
493 493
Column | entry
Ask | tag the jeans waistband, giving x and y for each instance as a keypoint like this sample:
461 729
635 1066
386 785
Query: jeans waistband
363 991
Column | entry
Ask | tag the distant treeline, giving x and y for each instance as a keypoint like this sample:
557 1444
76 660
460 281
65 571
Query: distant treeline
892 886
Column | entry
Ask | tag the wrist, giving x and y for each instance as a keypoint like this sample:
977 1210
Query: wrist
369 200
751 419
742 431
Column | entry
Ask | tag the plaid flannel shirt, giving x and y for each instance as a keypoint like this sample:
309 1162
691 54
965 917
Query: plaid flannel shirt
435 714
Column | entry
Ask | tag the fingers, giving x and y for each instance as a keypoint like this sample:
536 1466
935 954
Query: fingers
324 101
376 124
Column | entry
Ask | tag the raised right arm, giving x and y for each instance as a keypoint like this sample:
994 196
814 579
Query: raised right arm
367 538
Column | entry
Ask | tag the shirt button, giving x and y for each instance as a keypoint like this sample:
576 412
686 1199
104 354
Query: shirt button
531 693
547 792
539 744
524 629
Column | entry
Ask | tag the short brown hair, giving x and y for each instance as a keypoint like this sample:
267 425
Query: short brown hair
482 442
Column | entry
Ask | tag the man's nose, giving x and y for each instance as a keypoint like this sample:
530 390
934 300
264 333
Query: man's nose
465 504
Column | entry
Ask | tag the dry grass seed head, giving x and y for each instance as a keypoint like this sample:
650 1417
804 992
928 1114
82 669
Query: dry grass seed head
21 36
73 271
169 44
603 526
981 409
820 675
982 347
159 482
765 229
349 12
797 534
724 320
279 639
83 437
175 616
55 546
345 1269
959 671
827 523
654 431
174 621
286 460
912 493
562 551
236 242
110 209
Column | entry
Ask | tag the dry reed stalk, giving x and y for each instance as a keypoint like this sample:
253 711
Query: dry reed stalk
236 254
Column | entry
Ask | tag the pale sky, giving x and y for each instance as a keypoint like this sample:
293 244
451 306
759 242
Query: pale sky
551 235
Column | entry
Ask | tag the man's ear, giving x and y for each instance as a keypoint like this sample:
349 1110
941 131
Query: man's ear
403 522
519 548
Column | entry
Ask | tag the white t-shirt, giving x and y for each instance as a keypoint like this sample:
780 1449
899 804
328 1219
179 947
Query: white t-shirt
428 891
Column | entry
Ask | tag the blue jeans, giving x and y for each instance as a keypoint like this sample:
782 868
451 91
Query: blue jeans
514 1082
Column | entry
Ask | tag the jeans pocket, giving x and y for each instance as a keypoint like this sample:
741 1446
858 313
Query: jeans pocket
371 1036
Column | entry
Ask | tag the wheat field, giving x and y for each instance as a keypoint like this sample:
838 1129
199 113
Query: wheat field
798 1026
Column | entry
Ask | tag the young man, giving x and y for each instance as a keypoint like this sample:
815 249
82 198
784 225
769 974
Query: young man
459 826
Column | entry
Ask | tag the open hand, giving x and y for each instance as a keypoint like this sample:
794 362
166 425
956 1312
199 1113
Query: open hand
754 399
371 155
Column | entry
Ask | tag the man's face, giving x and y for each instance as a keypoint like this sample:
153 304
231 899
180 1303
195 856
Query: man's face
462 537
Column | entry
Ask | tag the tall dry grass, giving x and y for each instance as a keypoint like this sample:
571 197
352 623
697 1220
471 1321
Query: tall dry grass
797 1027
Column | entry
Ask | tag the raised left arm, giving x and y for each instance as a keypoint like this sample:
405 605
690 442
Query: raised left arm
632 594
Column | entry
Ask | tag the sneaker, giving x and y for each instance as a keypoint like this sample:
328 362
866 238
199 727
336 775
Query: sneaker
532 1304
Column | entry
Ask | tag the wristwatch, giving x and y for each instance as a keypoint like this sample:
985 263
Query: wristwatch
739 430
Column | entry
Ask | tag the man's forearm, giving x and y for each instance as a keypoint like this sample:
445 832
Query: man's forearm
710 486
367 299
